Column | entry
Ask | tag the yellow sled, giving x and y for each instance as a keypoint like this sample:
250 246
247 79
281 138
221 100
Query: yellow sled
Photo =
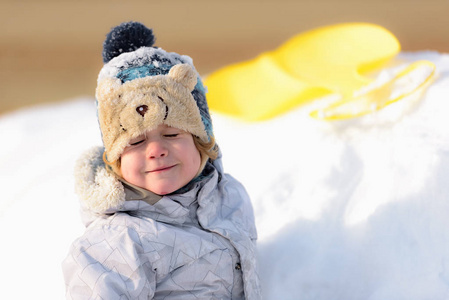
313 64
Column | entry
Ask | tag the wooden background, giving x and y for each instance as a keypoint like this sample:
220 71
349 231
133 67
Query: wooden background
51 50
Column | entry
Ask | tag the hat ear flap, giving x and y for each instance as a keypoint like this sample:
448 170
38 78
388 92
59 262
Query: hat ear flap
184 74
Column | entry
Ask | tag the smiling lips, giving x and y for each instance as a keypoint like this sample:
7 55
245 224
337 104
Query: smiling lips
161 169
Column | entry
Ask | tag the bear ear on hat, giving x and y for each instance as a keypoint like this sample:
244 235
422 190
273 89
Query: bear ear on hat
184 74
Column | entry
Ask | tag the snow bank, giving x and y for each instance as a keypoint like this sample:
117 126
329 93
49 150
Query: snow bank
357 209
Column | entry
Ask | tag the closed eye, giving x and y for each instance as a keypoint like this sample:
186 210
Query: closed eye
171 135
137 143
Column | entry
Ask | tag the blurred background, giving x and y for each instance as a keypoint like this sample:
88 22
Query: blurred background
50 50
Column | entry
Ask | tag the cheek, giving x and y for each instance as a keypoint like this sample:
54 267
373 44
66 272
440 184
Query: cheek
196 160
190 153
128 165
190 156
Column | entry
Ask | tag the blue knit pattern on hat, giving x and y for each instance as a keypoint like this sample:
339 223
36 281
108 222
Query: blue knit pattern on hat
142 71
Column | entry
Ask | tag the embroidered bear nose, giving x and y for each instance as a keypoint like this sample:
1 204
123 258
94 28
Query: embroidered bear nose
142 110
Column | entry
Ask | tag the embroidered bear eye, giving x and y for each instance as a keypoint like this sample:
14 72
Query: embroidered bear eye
142 110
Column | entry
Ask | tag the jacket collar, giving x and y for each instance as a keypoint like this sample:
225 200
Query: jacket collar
101 192
133 192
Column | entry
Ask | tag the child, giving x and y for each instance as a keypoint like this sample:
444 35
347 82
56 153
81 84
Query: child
162 219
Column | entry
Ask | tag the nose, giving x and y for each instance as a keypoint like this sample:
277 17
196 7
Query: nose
156 149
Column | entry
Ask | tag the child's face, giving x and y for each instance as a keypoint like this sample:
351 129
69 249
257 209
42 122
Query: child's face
161 161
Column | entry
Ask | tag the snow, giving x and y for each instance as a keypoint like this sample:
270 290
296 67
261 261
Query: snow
356 209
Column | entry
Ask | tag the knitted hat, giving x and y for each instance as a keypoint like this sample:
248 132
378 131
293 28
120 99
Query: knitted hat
141 87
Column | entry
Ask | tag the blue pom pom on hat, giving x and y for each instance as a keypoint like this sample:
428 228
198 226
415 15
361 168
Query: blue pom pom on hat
126 37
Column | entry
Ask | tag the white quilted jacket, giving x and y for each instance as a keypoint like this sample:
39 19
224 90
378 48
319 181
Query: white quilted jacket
195 245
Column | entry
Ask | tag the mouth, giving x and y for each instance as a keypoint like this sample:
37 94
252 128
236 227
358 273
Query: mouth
161 169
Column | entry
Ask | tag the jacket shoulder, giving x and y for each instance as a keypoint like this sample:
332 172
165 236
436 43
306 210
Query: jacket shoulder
107 255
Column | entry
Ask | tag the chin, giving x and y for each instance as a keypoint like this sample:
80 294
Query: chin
164 188
163 191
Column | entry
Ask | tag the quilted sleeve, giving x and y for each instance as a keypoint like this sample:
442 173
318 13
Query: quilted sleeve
109 263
